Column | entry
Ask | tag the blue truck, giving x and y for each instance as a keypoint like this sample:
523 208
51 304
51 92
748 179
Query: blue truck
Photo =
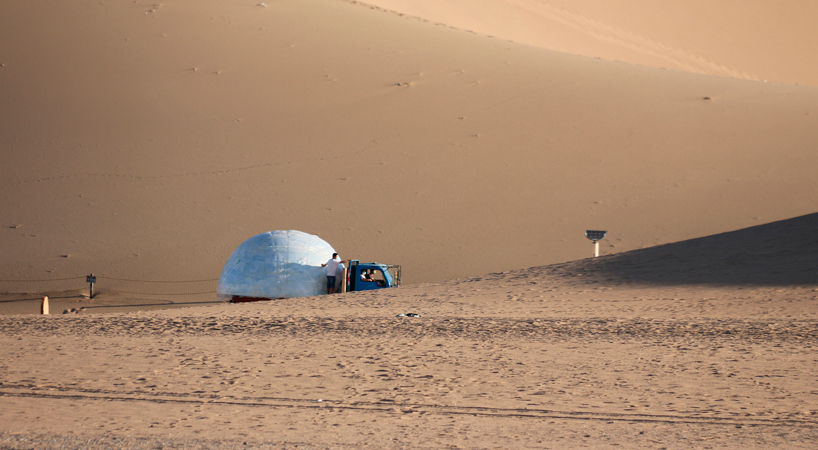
369 276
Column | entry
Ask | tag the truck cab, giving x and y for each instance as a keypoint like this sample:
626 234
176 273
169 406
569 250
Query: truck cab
369 276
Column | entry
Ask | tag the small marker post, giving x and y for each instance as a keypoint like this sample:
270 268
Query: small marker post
91 279
596 236
44 306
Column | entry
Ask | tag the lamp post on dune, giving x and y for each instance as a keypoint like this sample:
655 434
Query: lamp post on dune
596 236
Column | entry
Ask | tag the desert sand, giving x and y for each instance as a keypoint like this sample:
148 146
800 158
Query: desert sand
752 39
470 142
588 354
147 141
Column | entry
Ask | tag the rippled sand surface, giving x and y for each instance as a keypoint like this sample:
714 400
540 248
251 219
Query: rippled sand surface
511 360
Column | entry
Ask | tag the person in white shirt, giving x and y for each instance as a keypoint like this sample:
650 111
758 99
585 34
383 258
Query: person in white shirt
332 269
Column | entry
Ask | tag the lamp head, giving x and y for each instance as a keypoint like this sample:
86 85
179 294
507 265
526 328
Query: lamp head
595 235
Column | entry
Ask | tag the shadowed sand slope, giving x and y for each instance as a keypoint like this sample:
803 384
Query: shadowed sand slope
146 142
779 253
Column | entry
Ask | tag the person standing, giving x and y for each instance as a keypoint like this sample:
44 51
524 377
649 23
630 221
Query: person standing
332 269
339 277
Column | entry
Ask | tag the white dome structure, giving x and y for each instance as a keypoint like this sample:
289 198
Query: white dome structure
276 264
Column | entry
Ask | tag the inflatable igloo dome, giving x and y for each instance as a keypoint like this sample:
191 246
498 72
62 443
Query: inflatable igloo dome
276 264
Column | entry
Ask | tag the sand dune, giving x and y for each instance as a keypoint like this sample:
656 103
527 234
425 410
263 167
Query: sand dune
543 357
780 253
146 142
754 40
771 261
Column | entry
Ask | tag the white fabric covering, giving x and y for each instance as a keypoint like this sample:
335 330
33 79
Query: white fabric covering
276 264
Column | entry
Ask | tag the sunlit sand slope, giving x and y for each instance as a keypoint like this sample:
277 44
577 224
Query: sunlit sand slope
755 39
148 141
